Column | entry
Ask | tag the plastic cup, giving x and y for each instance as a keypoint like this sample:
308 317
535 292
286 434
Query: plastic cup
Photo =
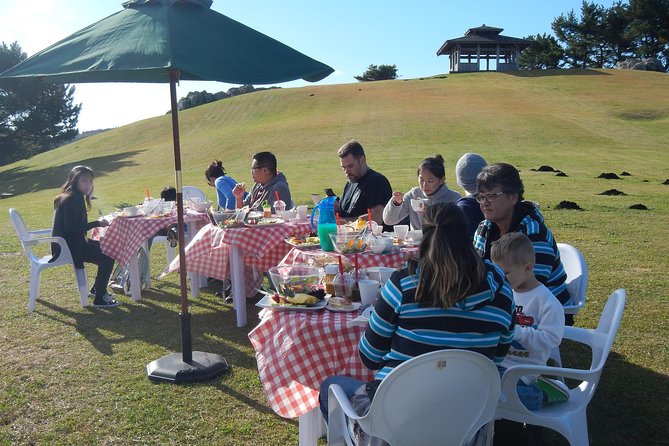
369 290
401 231
302 211
385 273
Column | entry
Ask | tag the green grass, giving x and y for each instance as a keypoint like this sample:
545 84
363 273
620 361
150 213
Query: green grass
77 376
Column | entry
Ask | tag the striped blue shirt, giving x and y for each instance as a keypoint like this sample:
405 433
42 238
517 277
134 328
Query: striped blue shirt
400 329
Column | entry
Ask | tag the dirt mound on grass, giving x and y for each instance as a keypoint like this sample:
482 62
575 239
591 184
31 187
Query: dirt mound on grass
612 192
561 174
544 169
639 206
568 205
666 181
608 176
625 173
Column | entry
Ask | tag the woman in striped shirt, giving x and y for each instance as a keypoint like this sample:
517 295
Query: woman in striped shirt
450 298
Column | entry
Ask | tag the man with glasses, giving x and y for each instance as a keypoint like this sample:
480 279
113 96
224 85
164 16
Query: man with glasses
366 188
500 195
268 183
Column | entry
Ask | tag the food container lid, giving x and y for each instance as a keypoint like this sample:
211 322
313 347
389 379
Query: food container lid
332 268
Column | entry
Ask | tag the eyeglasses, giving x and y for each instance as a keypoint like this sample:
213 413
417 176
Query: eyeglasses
490 198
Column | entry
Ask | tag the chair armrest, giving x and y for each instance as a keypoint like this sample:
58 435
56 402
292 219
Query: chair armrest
39 241
39 233
582 335
336 394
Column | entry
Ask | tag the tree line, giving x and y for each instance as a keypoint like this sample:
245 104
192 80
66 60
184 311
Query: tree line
602 37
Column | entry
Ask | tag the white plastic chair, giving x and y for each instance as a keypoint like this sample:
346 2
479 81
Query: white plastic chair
442 397
28 240
577 276
194 193
568 418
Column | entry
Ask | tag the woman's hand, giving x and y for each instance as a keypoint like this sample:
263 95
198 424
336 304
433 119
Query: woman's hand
398 198
103 223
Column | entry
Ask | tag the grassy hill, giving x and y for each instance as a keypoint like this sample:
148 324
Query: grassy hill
582 122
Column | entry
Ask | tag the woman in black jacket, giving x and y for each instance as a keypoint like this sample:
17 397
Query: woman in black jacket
71 223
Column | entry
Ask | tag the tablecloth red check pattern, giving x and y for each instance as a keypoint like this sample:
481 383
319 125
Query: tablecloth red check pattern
124 236
296 351
263 246
366 259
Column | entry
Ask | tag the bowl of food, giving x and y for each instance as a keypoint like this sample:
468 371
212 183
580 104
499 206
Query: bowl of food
289 280
220 217
130 211
200 206
380 244
345 242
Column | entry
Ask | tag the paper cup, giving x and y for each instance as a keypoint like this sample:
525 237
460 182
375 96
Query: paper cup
369 290
302 211
401 231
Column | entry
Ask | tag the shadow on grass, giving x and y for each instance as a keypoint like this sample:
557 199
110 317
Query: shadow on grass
560 72
155 320
629 405
22 180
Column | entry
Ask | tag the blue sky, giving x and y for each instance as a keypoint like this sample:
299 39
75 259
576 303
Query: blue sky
347 35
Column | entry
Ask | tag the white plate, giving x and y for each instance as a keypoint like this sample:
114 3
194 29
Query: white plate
355 306
412 242
302 245
276 222
266 302
130 216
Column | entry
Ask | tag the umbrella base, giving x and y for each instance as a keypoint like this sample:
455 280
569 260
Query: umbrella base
172 368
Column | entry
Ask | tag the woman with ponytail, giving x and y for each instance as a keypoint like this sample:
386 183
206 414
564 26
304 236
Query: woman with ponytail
448 298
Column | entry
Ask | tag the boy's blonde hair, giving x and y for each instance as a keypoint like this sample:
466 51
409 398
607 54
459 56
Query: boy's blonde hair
514 247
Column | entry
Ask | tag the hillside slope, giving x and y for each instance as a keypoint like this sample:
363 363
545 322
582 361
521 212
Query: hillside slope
569 119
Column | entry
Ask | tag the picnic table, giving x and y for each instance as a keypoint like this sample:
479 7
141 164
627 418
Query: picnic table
241 254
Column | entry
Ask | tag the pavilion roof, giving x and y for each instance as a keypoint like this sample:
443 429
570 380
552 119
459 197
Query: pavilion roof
483 35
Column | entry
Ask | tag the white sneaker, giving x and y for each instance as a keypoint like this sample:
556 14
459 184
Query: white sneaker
109 302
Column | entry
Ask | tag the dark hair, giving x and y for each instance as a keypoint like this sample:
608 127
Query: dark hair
71 186
352 147
435 164
449 269
515 248
214 170
168 193
266 159
503 175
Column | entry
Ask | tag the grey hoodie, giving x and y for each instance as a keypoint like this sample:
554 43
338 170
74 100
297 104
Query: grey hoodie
260 193
393 214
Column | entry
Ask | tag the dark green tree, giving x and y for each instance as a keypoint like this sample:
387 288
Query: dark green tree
544 53
35 116
583 38
649 29
378 73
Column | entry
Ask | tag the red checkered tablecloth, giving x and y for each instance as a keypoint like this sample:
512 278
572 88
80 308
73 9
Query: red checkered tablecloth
123 237
263 247
296 351
366 259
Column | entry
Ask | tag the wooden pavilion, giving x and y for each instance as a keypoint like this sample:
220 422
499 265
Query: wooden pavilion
483 49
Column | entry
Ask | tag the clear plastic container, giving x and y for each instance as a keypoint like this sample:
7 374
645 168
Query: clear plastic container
331 272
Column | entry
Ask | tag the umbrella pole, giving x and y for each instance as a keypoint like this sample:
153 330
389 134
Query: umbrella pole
178 368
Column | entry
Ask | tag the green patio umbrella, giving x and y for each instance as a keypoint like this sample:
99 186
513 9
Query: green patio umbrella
164 41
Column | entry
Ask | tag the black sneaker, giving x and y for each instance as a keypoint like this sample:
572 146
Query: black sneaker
108 301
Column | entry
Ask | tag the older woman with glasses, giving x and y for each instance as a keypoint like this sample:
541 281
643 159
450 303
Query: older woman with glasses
500 195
